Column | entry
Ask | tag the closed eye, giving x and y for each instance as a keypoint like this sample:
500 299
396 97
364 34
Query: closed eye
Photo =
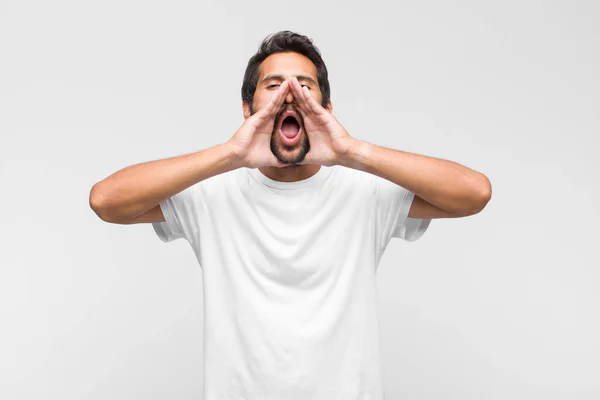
273 85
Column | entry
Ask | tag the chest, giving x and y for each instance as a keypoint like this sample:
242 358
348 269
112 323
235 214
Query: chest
293 236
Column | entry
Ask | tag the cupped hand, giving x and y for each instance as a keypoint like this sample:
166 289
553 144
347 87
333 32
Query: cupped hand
251 144
329 141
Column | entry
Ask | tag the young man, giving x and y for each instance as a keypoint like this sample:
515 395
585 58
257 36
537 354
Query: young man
288 220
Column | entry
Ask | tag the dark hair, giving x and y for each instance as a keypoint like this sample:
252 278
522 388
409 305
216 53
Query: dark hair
283 42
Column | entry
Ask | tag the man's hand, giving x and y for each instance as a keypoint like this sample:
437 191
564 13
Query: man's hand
250 145
329 141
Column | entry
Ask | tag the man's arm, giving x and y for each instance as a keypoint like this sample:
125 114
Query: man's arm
443 189
137 189
132 194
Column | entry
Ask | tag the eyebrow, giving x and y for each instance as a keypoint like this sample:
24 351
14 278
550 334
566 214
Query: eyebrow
282 78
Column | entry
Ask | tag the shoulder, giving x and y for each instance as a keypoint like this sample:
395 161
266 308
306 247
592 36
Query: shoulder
352 182
354 177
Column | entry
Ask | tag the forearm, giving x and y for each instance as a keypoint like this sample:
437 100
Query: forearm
445 184
134 190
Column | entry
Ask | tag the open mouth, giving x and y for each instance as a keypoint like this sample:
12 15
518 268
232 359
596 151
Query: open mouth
290 127
290 130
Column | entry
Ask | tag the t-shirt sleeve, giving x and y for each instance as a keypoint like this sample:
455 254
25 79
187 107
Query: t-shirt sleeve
394 204
181 215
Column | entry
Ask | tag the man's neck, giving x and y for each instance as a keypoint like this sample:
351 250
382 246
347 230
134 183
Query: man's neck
292 173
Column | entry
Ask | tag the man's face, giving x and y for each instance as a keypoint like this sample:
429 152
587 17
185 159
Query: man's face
289 141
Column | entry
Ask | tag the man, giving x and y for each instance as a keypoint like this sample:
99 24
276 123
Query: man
288 220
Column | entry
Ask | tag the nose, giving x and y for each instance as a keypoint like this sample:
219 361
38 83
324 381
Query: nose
289 98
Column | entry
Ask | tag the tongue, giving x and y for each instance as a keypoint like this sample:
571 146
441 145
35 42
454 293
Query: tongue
290 128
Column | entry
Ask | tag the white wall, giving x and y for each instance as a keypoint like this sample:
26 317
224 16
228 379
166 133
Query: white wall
500 305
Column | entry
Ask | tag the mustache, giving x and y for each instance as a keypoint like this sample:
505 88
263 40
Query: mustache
293 108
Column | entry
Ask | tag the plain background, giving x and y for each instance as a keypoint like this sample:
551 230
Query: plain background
500 305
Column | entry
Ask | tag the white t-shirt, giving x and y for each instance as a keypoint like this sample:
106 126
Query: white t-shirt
289 268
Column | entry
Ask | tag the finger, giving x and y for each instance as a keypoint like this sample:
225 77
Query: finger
275 101
281 94
296 89
312 103
268 109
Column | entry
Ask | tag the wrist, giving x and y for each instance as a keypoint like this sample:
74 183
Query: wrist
234 158
356 155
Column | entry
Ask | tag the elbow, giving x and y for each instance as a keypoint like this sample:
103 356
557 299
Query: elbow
482 195
97 201
479 196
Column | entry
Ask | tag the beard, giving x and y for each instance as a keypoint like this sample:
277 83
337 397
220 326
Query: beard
289 154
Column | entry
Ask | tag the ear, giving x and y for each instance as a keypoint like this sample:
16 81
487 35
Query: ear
329 106
246 109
